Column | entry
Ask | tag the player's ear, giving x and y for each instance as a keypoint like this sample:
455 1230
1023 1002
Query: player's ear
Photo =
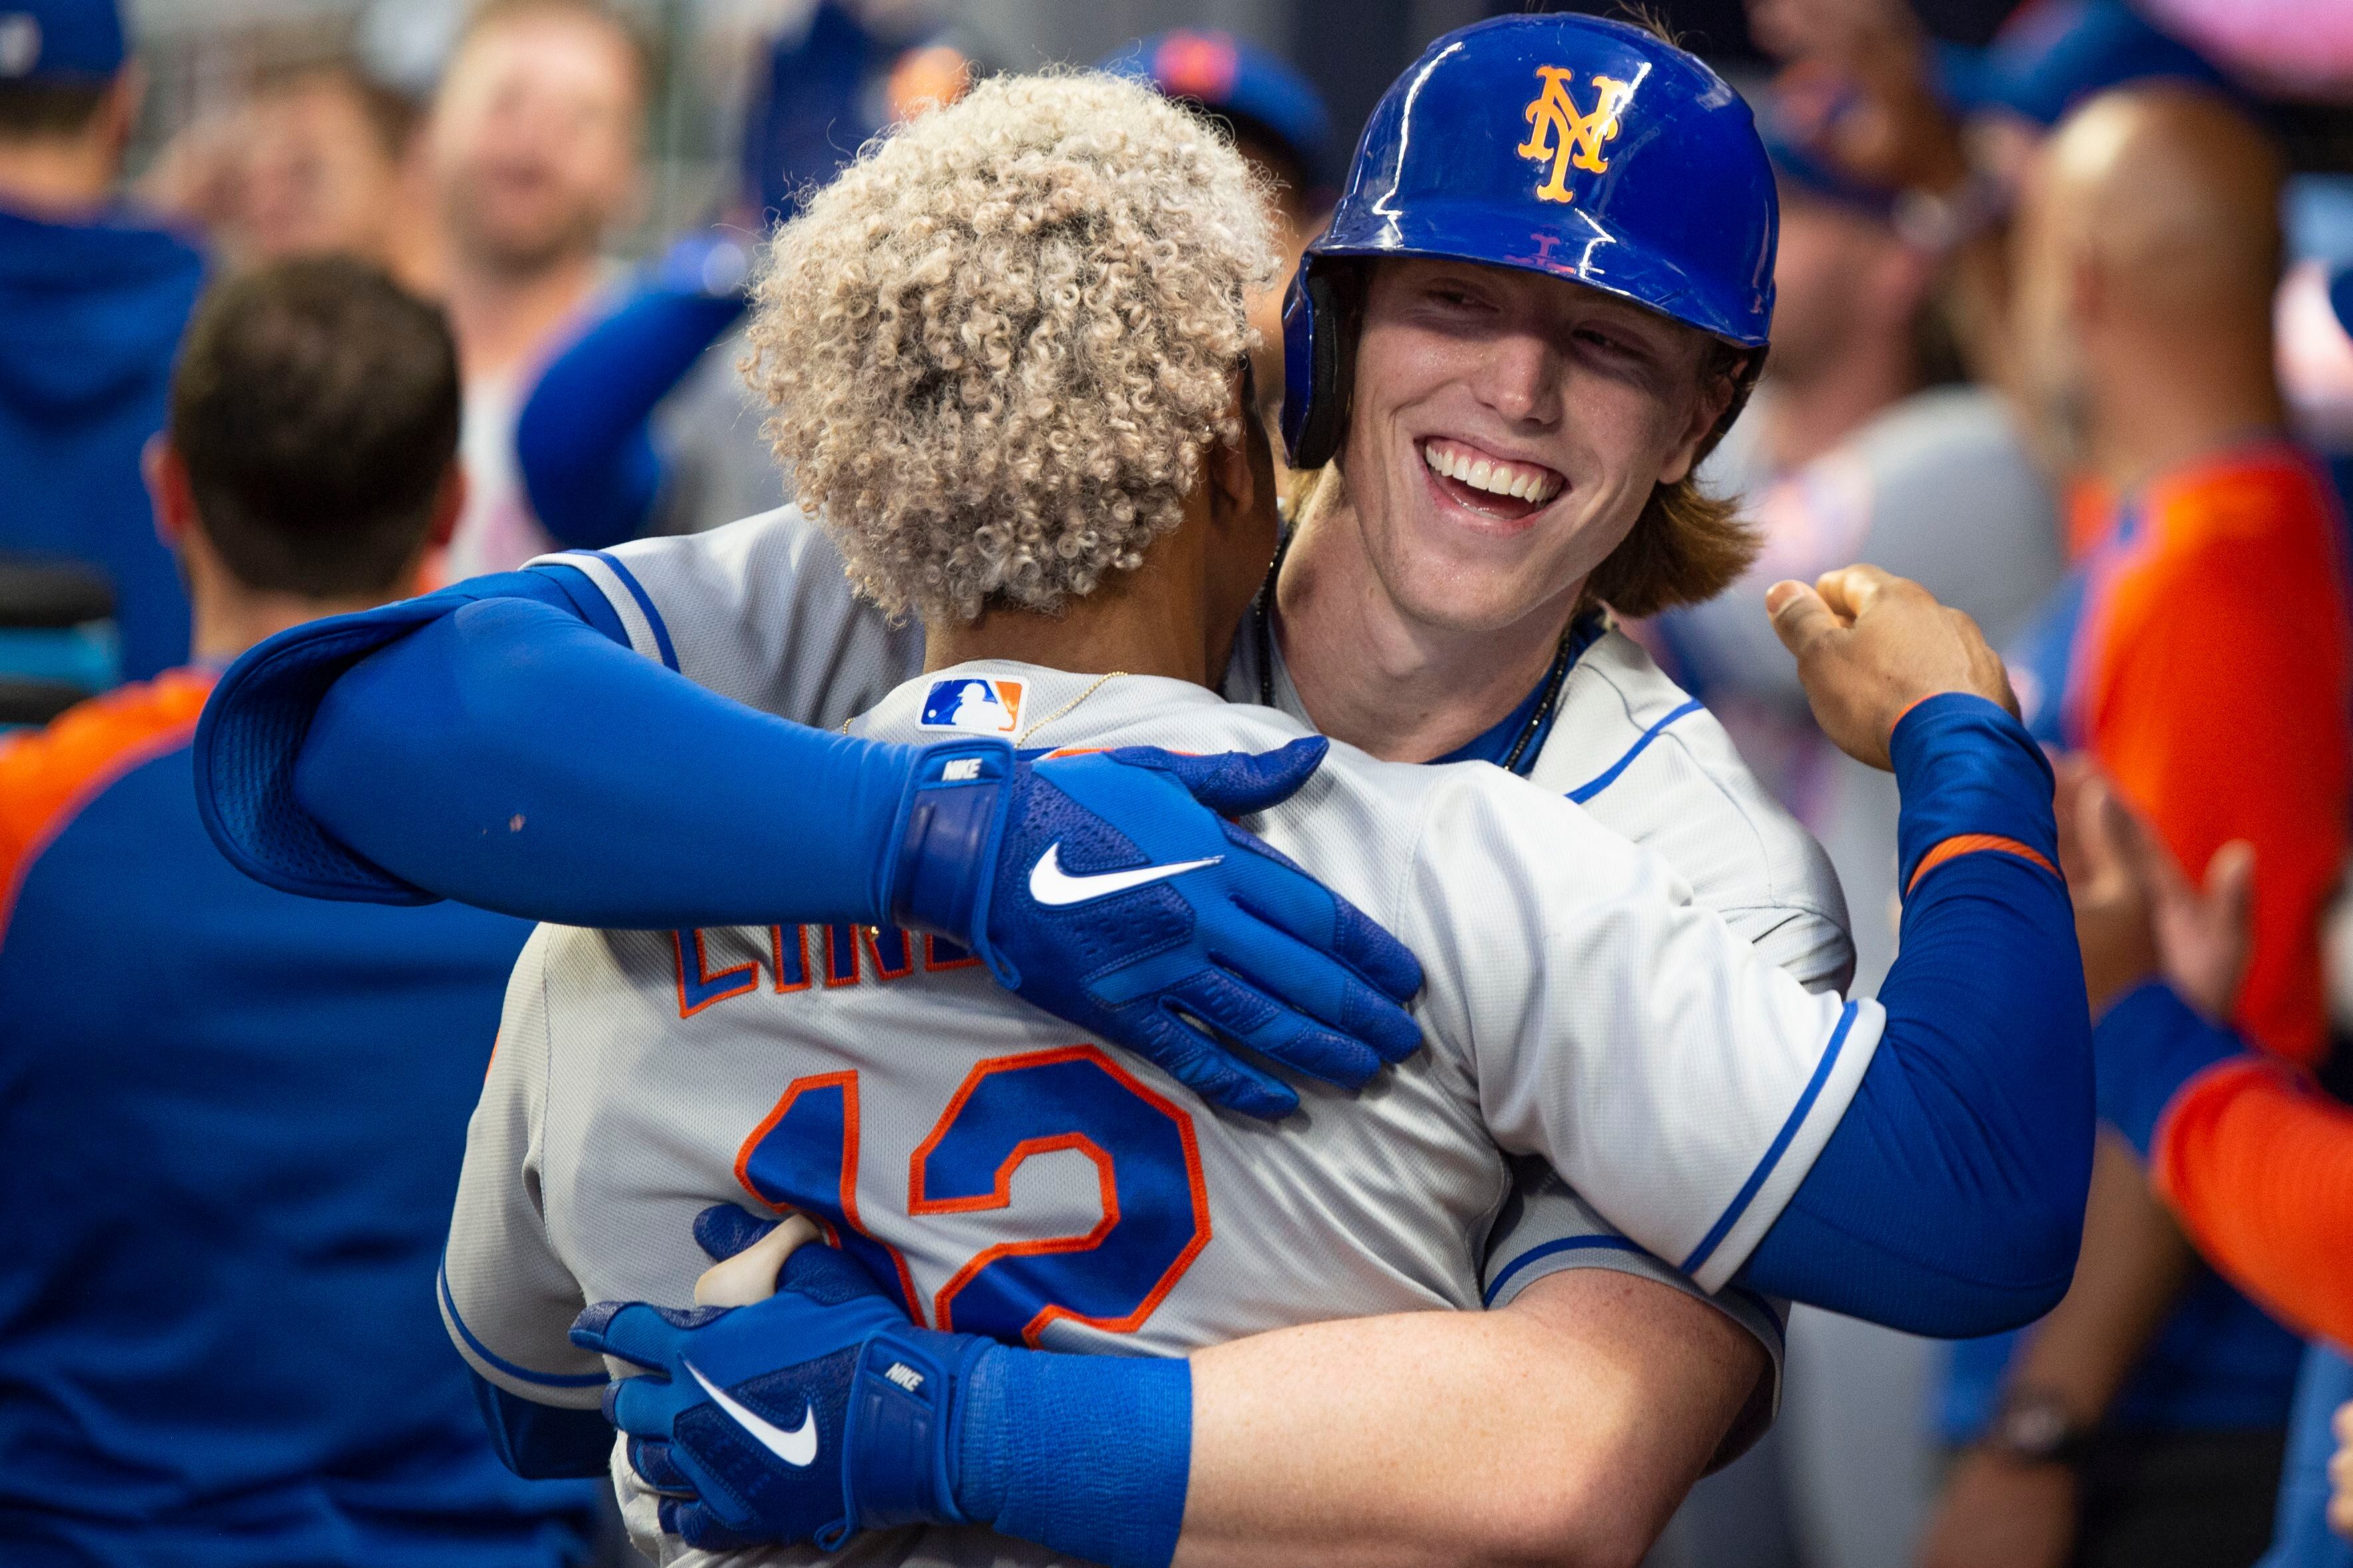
1240 471
448 501
166 473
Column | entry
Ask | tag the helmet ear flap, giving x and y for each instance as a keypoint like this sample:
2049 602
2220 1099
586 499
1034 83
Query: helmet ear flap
1317 366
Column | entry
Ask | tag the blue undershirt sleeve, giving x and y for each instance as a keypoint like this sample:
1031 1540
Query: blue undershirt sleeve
1950 1200
2145 1046
1089 1456
541 1442
487 755
583 440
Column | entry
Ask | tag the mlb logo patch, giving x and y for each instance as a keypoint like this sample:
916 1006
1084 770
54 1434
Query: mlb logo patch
976 707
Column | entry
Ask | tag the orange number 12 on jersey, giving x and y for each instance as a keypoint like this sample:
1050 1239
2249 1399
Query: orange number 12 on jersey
1155 1207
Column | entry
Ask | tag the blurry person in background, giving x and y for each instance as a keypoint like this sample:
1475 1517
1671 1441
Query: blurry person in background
319 158
2196 655
643 424
533 153
1860 444
2194 652
93 302
230 1174
329 167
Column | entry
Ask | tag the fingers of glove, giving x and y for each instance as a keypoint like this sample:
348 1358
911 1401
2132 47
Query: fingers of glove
1201 1062
694 1523
636 1333
651 1458
1234 783
1232 1006
723 1230
1344 1029
1282 893
826 1275
642 1406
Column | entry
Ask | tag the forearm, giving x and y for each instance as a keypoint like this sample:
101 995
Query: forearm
1565 1428
2133 1267
582 439
1950 1197
511 757
2260 1169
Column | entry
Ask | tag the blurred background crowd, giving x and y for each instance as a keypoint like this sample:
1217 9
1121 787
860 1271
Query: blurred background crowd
581 188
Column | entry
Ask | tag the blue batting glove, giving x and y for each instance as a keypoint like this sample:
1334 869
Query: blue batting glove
1107 889
811 1416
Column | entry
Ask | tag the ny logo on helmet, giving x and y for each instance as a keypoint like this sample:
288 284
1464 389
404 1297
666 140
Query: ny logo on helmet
1558 132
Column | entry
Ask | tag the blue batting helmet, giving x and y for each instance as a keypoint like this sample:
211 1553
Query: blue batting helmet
1585 149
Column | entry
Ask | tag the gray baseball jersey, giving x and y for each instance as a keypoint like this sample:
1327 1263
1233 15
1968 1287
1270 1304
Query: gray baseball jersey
1579 1008
759 611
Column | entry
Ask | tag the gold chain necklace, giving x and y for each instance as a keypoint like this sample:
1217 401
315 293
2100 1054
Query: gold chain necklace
1101 681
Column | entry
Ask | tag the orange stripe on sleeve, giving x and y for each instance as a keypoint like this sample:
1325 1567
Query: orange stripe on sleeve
48 775
2258 1166
1962 843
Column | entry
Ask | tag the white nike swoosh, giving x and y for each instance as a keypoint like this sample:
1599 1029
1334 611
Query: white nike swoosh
1049 884
797 1447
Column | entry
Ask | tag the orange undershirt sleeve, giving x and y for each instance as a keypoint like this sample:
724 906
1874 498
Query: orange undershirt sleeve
2258 1166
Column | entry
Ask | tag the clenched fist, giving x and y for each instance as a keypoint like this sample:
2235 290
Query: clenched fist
1870 644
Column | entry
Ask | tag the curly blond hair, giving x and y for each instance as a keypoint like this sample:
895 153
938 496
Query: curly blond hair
1001 344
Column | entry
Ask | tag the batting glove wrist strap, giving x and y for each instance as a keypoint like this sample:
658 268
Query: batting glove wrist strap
905 1405
945 844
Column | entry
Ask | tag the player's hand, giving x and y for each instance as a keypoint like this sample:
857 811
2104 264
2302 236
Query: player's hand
809 1415
2137 911
1870 644
1108 889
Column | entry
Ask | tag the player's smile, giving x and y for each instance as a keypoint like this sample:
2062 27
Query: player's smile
1504 493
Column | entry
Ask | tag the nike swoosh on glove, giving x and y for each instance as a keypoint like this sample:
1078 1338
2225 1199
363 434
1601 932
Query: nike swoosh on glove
1231 943
854 1432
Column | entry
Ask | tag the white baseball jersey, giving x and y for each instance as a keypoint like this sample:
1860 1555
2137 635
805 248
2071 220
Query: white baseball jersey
759 611
1579 1008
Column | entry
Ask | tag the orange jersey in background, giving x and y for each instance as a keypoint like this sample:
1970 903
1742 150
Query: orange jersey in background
2199 652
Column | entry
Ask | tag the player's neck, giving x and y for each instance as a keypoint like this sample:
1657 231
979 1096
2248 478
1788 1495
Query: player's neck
227 616
1372 675
2161 410
1153 620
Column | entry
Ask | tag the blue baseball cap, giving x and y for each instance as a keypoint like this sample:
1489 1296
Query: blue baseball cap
2054 54
1254 88
60 40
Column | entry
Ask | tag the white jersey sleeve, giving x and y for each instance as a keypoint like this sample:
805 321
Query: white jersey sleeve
1667 1071
506 1299
759 611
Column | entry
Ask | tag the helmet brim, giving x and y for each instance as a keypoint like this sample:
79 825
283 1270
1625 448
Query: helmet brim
1576 249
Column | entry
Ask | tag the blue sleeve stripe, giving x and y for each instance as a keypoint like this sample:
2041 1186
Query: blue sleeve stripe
1756 1178
1566 1244
521 1374
580 590
1609 775
645 602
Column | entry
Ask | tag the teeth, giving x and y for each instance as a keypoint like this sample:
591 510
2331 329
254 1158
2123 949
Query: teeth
1497 478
